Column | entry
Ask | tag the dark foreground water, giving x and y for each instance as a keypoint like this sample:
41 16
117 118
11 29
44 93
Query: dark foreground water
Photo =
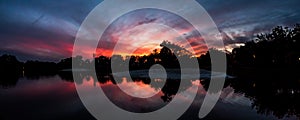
55 97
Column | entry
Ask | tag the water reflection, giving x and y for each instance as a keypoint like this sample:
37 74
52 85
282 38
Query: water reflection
271 93
271 97
153 96
8 80
134 104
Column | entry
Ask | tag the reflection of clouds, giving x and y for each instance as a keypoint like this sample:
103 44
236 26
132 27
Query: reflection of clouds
53 96
229 96
138 88
146 90
187 96
45 98
43 87
123 100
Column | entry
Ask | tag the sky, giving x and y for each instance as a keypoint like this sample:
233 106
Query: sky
145 29
46 29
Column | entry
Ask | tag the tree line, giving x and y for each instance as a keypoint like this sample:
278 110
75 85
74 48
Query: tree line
279 48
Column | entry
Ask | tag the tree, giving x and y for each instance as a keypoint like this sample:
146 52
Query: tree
279 48
10 71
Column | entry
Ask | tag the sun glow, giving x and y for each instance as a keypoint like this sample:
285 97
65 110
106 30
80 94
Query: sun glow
145 39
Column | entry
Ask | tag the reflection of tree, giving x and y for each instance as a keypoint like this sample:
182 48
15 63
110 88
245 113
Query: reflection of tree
271 92
102 79
8 80
169 90
66 75
69 76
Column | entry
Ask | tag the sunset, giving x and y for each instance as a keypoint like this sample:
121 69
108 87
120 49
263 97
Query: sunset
53 31
141 59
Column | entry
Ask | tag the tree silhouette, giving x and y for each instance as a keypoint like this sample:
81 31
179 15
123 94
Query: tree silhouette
36 69
10 63
273 90
279 48
10 71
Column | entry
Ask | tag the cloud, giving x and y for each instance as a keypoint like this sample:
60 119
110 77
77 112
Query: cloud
147 20
148 27
247 18
46 29
41 29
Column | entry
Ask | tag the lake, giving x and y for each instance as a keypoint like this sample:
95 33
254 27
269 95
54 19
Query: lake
55 97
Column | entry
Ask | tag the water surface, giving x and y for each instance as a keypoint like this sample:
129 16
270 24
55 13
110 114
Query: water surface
55 97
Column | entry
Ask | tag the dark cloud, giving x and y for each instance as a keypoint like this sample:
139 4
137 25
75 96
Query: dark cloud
52 24
147 20
252 14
